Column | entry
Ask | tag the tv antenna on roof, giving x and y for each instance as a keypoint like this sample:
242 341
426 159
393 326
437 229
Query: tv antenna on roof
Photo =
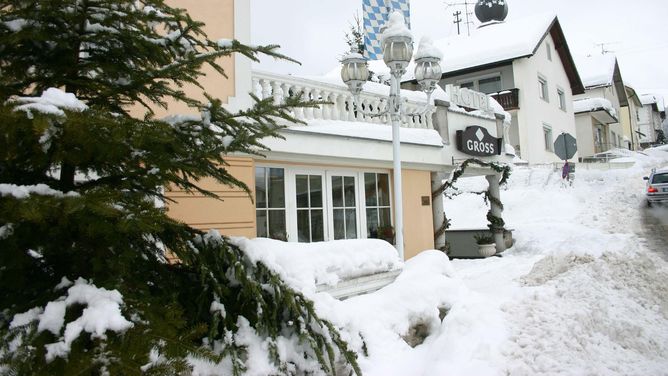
603 45
458 20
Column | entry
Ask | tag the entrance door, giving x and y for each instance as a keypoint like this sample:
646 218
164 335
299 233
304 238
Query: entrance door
310 207
342 199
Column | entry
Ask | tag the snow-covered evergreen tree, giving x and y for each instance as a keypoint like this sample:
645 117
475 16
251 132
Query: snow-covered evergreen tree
85 287
355 36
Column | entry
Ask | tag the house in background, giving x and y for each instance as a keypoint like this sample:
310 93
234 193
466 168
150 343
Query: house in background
629 118
526 65
650 117
597 111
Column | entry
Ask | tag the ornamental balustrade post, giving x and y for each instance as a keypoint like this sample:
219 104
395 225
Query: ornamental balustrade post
496 210
266 88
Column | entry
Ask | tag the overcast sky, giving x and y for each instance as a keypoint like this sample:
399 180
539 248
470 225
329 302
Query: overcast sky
312 31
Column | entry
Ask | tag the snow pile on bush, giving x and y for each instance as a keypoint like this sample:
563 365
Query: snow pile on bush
305 265
102 314
52 102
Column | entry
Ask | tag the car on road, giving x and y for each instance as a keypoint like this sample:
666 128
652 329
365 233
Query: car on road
657 186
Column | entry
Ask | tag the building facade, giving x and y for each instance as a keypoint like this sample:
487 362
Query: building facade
526 65
650 118
331 177
598 110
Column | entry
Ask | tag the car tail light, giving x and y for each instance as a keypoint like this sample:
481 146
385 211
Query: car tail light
652 190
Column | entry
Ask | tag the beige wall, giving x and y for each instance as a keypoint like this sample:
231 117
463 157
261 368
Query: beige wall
233 216
218 16
418 218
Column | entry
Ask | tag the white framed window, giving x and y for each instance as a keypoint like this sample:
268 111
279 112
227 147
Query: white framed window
547 137
548 48
562 99
342 199
310 204
487 84
542 89
614 139
310 207
270 203
377 203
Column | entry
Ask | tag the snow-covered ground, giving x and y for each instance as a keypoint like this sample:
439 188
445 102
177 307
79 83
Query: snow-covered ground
579 293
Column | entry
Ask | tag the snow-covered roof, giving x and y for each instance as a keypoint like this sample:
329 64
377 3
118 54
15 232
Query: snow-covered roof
368 131
649 99
593 104
494 43
597 70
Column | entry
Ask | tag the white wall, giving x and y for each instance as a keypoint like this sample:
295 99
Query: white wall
585 134
614 130
534 111
646 123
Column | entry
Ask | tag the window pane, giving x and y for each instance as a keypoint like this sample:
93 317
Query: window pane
660 179
261 219
468 85
370 189
316 191
303 226
372 223
317 226
301 182
339 225
385 217
277 225
337 191
351 224
490 85
276 188
260 183
383 189
349 188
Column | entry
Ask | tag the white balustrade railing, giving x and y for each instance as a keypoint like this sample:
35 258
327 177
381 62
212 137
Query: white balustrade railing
342 107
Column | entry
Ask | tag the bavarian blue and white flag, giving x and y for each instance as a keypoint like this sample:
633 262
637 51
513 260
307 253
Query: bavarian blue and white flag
376 14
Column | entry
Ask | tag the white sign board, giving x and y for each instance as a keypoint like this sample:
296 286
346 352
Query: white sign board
468 98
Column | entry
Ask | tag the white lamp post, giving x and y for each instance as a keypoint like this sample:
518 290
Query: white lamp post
397 43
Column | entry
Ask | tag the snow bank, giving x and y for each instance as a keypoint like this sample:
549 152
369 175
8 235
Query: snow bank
579 291
305 265
425 323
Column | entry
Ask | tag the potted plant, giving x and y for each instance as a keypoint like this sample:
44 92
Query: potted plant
386 233
486 245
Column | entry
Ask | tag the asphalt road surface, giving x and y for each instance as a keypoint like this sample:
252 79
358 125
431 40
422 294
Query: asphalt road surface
655 228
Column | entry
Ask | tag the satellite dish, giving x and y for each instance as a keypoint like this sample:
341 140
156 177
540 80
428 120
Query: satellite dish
491 10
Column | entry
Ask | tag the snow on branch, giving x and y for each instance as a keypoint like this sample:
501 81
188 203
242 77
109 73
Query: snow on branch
102 314
24 191
52 102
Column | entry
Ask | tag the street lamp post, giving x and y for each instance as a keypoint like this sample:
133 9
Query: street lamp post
397 43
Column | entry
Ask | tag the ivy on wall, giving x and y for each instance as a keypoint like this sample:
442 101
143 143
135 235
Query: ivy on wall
496 224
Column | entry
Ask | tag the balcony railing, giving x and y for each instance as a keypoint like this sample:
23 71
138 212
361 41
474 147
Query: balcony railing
342 106
508 99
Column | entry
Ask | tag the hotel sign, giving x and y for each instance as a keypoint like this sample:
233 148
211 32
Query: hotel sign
475 140
470 99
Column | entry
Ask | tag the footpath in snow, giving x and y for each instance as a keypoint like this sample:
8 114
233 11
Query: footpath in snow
580 292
